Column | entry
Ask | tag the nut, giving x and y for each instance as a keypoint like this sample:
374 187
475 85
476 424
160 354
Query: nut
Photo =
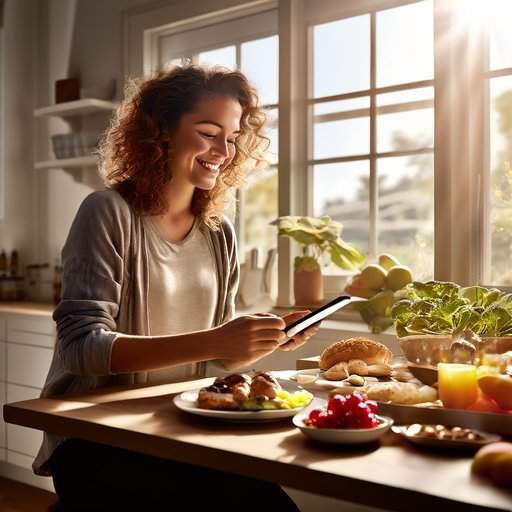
356 380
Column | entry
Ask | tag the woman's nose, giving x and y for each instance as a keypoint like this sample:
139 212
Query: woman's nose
221 148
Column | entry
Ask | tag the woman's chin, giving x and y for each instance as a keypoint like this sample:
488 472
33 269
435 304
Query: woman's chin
206 184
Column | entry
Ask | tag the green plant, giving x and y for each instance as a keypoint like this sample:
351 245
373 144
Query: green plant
319 237
438 307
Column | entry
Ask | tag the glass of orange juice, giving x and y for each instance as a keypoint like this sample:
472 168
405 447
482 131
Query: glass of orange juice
458 386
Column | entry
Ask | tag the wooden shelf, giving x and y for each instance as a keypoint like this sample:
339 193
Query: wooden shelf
66 163
76 108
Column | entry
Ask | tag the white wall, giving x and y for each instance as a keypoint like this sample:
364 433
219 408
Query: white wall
19 87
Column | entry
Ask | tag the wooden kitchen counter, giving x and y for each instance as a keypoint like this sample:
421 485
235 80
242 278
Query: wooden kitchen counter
27 308
390 474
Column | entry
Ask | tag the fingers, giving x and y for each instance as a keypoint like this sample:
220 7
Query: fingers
301 338
269 334
294 316
266 321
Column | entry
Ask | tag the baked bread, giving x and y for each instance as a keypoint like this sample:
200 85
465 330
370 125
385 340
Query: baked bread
369 351
401 393
337 372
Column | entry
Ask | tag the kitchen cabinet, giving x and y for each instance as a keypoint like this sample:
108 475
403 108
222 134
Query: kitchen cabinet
27 341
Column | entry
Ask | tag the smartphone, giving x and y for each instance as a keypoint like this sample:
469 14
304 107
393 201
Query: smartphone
319 314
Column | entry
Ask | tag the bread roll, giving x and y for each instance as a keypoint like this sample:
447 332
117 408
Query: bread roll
358 367
369 351
337 372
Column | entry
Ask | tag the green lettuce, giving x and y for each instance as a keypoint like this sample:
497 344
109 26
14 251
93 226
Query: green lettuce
439 307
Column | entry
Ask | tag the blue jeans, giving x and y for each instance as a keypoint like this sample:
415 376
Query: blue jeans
93 477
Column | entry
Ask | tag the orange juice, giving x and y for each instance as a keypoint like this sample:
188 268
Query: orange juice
458 386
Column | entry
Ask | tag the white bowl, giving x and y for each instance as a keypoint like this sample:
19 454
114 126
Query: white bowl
342 435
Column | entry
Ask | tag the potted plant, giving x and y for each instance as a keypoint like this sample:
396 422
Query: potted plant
319 239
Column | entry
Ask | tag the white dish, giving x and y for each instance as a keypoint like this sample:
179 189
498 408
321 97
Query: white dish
187 401
342 435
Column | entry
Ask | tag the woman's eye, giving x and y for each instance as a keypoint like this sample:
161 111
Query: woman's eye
232 142
207 135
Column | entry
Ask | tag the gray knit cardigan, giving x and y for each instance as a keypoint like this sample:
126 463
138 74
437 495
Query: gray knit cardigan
105 292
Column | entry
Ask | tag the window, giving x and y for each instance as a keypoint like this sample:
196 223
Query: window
372 126
235 44
498 76
395 118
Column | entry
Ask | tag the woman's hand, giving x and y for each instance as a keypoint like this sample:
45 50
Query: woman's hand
299 339
248 338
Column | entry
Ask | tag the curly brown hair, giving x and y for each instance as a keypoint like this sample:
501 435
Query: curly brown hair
134 150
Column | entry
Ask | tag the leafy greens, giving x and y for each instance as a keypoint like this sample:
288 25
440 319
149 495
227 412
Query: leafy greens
438 307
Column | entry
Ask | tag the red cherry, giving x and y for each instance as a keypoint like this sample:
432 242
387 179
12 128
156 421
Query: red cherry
353 400
326 420
361 410
313 415
372 405
336 405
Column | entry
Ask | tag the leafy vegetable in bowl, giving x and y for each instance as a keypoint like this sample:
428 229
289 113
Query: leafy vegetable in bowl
438 307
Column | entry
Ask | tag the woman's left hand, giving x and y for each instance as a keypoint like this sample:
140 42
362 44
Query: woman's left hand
299 339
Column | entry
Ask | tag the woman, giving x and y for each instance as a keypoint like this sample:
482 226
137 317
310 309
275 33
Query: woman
150 277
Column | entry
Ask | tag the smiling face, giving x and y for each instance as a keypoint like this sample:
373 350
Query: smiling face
204 143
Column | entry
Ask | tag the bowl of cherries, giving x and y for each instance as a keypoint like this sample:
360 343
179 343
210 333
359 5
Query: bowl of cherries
346 419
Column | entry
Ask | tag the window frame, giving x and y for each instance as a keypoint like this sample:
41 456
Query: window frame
461 221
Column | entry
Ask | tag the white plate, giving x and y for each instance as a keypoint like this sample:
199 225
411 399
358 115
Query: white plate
187 402
342 435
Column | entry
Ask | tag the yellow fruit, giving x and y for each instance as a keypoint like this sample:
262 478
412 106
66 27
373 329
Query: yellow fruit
360 291
382 303
387 261
373 276
398 276
501 470
499 388
485 459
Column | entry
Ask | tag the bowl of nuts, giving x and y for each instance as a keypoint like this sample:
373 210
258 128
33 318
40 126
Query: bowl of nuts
445 437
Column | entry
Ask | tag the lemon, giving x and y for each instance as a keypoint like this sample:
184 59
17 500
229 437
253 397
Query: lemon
373 276
398 276
387 261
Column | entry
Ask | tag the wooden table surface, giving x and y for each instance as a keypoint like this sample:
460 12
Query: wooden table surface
390 474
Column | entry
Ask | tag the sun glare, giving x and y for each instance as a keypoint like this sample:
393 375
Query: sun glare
483 14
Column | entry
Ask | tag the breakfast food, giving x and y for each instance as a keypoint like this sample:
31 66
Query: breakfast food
339 371
401 393
359 356
442 432
364 349
239 391
352 411
495 462
499 388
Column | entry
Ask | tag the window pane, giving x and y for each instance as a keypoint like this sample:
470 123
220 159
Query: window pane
501 180
341 138
272 133
341 56
405 44
411 129
330 107
260 65
341 191
260 208
500 33
406 211
419 94
220 57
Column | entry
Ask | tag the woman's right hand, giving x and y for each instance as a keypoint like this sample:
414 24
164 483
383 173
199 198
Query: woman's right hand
248 338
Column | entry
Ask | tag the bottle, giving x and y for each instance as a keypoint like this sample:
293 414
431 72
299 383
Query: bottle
3 264
14 264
